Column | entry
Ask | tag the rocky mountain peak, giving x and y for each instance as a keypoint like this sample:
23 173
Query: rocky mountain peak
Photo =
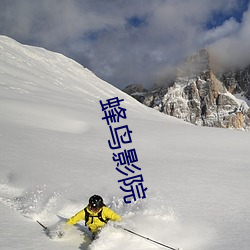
200 96
196 64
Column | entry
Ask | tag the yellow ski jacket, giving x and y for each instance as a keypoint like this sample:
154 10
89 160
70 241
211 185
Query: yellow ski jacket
94 223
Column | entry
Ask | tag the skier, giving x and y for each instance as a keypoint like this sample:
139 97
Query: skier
95 214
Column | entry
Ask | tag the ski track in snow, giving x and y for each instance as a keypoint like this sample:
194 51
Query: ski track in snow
43 117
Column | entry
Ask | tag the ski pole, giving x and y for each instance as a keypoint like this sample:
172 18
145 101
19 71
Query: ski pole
159 243
45 228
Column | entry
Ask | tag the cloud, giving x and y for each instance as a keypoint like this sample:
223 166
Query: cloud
123 42
228 28
233 49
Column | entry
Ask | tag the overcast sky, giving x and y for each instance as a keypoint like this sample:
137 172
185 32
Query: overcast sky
131 41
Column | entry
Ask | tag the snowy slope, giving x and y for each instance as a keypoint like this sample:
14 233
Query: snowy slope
55 154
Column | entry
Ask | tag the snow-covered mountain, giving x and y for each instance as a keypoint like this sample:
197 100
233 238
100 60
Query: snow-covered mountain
55 154
201 96
237 81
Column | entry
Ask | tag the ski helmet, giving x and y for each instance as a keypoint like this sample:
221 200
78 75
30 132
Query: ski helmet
95 202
